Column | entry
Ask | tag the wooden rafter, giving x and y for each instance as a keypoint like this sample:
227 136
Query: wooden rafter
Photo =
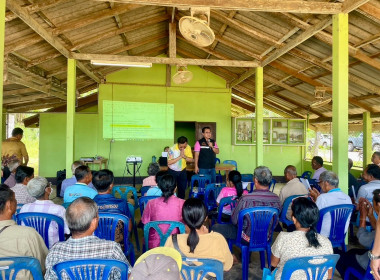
243 105
294 6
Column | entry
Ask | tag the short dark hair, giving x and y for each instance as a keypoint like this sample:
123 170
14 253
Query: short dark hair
307 214
6 194
159 175
373 170
167 185
22 172
182 140
167 147
81 172
204 129
103 179
376 196
319 160
17 131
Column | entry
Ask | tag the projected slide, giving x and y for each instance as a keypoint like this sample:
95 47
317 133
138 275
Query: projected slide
134 120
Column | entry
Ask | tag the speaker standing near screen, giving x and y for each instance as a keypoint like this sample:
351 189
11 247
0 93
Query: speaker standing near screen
178 156
205 150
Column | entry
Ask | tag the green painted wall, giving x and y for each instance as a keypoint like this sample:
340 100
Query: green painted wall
204 99
185 129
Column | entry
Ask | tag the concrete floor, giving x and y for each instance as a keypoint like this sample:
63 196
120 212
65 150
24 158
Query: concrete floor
255 272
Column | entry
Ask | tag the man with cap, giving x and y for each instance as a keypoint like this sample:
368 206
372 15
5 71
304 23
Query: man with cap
40 189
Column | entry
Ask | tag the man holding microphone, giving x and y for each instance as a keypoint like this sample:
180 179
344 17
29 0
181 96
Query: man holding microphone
205 151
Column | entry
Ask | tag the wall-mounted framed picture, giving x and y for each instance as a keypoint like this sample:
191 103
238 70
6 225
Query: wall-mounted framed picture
244 131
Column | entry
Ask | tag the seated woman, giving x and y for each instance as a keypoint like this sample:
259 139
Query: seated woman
155 190
302 242
234 188
199 243
153 169
358 258
168 207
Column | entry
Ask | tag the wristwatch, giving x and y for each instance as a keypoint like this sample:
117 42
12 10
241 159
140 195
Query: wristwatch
372 257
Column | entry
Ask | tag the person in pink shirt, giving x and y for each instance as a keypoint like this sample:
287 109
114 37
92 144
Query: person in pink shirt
153 169
234 188
168 207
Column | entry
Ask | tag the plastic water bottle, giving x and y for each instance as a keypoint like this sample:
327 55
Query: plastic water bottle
153 158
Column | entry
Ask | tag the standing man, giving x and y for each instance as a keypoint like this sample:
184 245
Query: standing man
205 150
13 147
178 156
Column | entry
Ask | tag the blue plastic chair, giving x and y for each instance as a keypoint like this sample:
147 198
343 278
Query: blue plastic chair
123 192
144 200
285 207
194 271
202 181
263 220
340 215
230 161
272 185
315 267
90 269
41 223
19 206
144 190
154 226
217 161
15 264
107 227
229 200
359 275
306 175
211 193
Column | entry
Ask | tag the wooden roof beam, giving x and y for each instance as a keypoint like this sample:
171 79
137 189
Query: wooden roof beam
23 99
243 105
350 5
352 117
32 23
294 6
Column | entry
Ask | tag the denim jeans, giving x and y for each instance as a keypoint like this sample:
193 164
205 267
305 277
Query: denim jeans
210 172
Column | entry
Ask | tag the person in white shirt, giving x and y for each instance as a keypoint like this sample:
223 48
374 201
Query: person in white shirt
317 165
332 196
371 175
292 187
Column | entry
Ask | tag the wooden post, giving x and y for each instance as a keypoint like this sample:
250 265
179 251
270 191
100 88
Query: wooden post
340 99
259 100
367 138
2 43
71 95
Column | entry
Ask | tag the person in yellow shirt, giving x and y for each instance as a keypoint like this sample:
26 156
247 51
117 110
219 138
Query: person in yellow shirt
178 156
14 148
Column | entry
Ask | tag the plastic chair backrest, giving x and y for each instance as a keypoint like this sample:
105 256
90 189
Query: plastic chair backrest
230 161
123 192
316 266
263 221
306 175
285 207
200 271
91 269
211 193
154 225
19 206
144 200
41 223
144 190
340 214
10 266
217 160
203 181
229 200
247 177
272 185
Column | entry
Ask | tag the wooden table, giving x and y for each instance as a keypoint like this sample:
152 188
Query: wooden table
99 162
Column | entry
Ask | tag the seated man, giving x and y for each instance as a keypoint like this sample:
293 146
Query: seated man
12 166
317 165
82 219
332 196
72 181
371 175
40 189
17 240
292 187
376 158
84 177
23 175
261 196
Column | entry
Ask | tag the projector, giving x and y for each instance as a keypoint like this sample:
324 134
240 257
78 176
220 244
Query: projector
133 159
